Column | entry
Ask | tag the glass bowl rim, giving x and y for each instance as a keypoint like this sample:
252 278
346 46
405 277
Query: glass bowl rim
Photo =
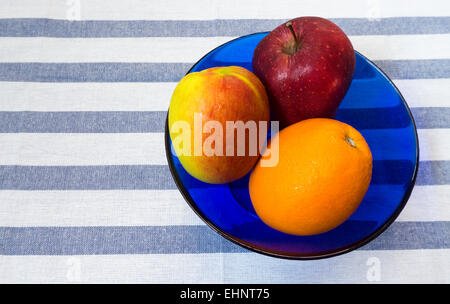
288 255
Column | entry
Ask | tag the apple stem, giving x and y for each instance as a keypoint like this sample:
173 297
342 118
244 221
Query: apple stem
289 25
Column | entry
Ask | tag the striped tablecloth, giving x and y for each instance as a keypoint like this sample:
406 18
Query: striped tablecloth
85 191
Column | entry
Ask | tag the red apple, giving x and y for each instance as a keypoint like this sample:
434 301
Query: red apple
306 65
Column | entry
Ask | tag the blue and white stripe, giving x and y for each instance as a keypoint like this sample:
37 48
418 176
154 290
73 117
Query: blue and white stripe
83 175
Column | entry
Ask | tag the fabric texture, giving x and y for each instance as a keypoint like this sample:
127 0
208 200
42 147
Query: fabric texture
85 191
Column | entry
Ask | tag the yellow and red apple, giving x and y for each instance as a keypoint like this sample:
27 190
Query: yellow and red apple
306 65
205 102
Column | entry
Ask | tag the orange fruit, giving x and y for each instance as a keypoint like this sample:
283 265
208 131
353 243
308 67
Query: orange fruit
323 173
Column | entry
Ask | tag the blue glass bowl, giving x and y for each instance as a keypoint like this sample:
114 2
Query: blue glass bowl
375 107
